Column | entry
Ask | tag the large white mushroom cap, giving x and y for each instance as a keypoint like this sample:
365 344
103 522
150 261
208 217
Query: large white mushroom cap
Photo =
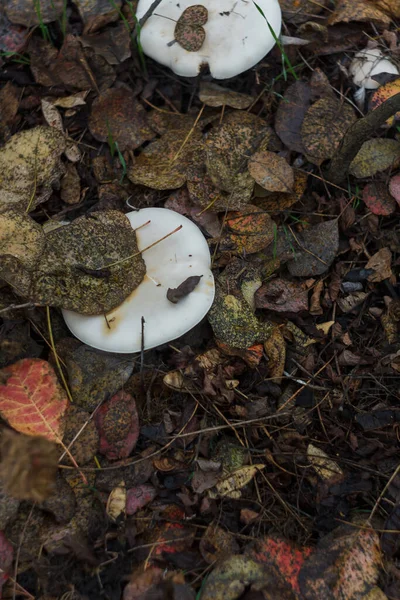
168 264
237 35
367 63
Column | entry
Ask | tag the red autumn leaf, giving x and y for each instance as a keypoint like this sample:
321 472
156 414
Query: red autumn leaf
284 555
117 422
32 399
376 196
394 188
6 558
172 536
138 497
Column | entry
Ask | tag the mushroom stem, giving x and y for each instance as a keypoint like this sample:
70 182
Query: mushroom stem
117 262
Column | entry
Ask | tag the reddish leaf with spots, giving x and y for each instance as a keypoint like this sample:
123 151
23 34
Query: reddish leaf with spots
32 399
117 422
284 555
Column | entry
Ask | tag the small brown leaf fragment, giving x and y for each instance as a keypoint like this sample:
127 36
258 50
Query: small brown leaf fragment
71 185
271 171
215 95
275 349
290 115
184 289
381 264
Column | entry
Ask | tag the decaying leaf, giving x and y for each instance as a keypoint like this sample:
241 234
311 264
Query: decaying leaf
271 171
117 422
184 289
275 349
323 465
231 577
394 188
377 198
29 165
383 93
189 32
324 126
275 202
248 231
6 559
116 502
138 497
118 117
381 263
290 114
80 428
358 10
20 237
217 544
374 156
32 400
212 94
28 13
281 295
231 485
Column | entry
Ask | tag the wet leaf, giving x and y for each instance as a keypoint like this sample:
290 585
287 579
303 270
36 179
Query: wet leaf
217 544
290 115
28 466
275 349
32 401
184 289
271 171
20 237
231 485
116 502
30 13
323 128
29 165
280 295
248 231
377 198
138 497
189 32
164 163
66 273
214 95
323 465
374 156
117 422
117 117
345 564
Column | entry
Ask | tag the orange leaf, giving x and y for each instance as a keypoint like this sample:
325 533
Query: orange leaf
32 399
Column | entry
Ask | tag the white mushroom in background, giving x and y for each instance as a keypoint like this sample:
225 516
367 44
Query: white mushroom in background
237 35
168 264
367 63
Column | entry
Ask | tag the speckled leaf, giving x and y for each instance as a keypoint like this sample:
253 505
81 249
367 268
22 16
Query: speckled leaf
72 272
12 37
275 349
163 164
248 231
280 295
216 544
33 12
271 171
89 9
29 165
32 400
117 422
374 156
277 201
189 32
92 373
138 497
215 95
230 486
231 577
358 10
116 115
206 195
21 237
383 93
323 128
290 114
324 466
80 428
377 198
345 564
394 188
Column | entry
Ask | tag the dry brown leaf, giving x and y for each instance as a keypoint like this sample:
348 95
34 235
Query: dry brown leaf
271 171
216 544
116 502
275 349
381 264
323 465
358 10
374 156
214 95
230 486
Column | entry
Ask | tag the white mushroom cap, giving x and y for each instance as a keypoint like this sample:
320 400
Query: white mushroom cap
169 263
237 35
367 63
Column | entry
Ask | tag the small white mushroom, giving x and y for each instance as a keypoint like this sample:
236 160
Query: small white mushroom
367 63
237 35
168 264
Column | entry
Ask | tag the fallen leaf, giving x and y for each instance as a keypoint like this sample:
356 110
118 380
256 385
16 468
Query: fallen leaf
324 466
137 497
290 115
280 295
275 202
20 237
32 400
28 13
394 188
345 564
90 10
174 295
113 44
118 118
116 502
52 115
271 171
374 156
189 32
230 486
383 93
275 349
323 128
13 38
80 429
6 559
377 198
28 466
71 185
380 262
358 10
117 422
248 231
212 94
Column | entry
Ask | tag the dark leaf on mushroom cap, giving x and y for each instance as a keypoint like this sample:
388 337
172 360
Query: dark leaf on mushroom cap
92 243
185 288
189 32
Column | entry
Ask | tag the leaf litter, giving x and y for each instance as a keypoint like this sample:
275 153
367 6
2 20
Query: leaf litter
235 461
